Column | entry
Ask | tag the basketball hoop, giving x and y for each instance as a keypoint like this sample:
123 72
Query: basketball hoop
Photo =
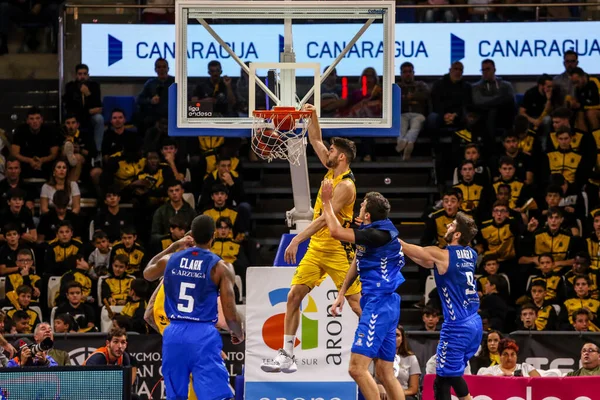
279 133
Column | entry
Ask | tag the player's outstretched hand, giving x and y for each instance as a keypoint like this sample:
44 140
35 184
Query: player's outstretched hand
309 107
235 339
327 190
338 304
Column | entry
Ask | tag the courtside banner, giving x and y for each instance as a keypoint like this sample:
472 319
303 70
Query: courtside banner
322 347
127 50
511 388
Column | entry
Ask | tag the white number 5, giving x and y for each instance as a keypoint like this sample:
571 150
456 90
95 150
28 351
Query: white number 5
189 306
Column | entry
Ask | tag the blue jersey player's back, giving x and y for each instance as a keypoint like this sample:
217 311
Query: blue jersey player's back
457 287
190 293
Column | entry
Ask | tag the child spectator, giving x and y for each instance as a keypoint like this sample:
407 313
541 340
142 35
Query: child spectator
564 160
50 221
178 226
593 243
229 250
136 305
25 275
554 285
497 236
520 193
22 322
581 321
22 306
115 287
527 318
149 185
490 265
60 249
98 259
77 148
493 304
483 176
8 252
112 218
82 313
78 271
582 299
476 197
64 323
431 319
219 208
581 266
554 197
19 215
129 247
175 206
547 318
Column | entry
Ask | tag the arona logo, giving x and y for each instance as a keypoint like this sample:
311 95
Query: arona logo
272 331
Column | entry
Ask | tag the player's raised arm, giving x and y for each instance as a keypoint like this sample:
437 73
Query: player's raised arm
224 279
315 137
335 228
426 257
156 267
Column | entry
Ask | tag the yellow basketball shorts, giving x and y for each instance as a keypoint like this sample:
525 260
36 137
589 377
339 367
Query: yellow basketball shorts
316 265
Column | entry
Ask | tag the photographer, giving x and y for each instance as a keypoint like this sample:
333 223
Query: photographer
30 355
42 332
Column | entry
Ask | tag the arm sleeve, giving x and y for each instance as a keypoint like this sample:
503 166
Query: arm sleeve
414 369
371 237
45 192
75 189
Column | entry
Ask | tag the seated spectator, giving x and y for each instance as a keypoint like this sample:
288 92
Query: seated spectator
572 202
489 355
25 358
112 218
25 276
83 98
120 321
98 259
554 287
13 181
473 133
522 162
216 90
123 168
497 236
563 81
82 313
493 304
115 287
431 319
590 361
10 250
153 101
508 366
495 99
219 196
504 194
581 321
114 352
490 266
552 239
149 185
50 221
539 102
582 299
593 243
78 148
529 140
44 330
116 136
520 192
64 323
565 161
229 250
129 247
156 135
527 318
22 322
178 226
406 367
475 196
415 99
23 301
581 142
224 174
332 99
177 161
36 146
59 180
587 99
547 317
482 172
581 266
60 249
136 305
20 216
175 206
554 196
77 270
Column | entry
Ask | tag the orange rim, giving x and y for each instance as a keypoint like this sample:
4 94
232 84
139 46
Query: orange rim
281 113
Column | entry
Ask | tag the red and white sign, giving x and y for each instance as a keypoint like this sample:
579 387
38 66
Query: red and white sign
510 388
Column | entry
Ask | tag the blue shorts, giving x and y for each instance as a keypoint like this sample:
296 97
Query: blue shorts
458 343
375 336
194 348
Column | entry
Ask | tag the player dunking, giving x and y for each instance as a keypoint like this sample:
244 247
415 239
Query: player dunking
378 261
193 278
325 255
454 269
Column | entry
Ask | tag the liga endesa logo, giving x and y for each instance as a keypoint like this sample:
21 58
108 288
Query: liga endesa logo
272 330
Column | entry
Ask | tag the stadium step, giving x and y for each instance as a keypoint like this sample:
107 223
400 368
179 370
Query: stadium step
20 95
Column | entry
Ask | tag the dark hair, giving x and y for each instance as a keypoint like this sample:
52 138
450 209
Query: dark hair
579 311
140 287
81 66
406 64
543 79
377 205
404 349
472 146
495 280
33 111
577 71
115 332
562 112
506 160
503 186
99 235
510 134
124 322
485 351
579 277
452 192
429 310
225 220
70 116
555 211
179 221
557 179
159 60
173 183
563 129
214 63
67 319
24 289
346 146
20 315
203 229
570 53
10 227
489 257
16 193
467 228
219 187
508 344
52 180
60 199
12 159
489 61
64 223
539 283
112 189
583 254
554 189
122 258
71 261
521 124
128 230
465 162
71 285
501 203
25 252
528 306
547 255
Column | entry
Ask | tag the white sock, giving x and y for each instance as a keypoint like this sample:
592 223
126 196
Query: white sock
288 344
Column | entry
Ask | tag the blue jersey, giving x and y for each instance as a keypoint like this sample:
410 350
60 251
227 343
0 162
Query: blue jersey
190 294
457 287
379 267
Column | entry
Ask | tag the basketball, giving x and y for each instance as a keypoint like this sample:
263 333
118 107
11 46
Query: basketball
266 142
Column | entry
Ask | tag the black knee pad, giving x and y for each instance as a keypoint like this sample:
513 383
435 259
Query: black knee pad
459 385
441 388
